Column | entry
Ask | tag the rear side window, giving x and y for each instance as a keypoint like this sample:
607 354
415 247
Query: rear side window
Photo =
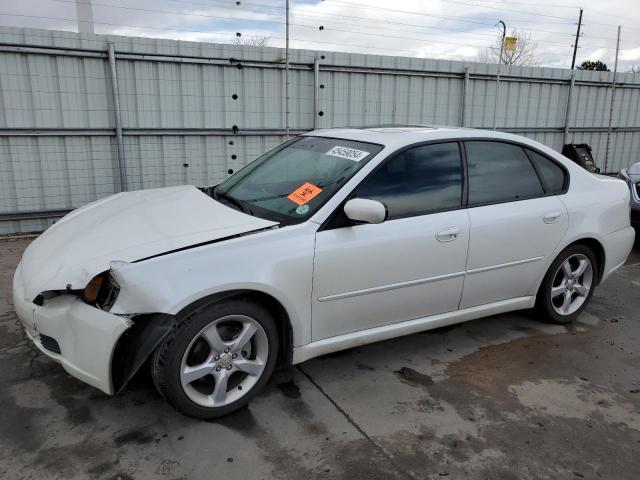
552 174
499 172
417 181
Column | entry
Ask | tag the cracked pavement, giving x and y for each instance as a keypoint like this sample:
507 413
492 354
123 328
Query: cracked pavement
501 397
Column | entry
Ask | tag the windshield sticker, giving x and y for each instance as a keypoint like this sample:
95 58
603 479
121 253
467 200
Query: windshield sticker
304 193
348 153
302 209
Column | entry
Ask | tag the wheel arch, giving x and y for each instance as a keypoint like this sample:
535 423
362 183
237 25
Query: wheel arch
136 345
275 307
598 250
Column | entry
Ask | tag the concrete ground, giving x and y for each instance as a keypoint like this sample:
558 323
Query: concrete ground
498 398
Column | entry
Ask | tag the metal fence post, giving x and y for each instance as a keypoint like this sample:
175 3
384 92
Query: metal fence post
463 100
316 91
567 113
613 102
116 112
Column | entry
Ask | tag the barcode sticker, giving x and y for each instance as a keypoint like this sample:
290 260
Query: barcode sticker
348 153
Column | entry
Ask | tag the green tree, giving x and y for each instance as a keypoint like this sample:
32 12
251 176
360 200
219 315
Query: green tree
594 65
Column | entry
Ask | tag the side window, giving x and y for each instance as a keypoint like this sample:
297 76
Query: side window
499 172
552 174
417 181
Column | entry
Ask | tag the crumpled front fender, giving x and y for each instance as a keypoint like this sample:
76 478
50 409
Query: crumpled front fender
136 344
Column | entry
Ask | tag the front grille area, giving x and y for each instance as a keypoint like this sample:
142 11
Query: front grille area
637 187
635 216
50 344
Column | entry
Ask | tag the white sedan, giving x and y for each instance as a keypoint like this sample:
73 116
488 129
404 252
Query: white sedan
334 239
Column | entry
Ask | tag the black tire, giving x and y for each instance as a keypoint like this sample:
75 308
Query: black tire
166 361
544 306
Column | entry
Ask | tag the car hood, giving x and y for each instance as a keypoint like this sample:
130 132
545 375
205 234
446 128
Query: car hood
126 227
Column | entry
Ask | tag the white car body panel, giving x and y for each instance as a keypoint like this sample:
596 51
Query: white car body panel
88 335
366 275
127 227
357 291
385 332
511 242
235 264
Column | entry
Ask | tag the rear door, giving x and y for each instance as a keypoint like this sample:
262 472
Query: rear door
516 220
411 265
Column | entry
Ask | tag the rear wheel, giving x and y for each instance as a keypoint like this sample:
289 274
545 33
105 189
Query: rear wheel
568 285
215 360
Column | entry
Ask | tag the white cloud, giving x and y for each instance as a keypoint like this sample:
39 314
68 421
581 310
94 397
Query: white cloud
633 54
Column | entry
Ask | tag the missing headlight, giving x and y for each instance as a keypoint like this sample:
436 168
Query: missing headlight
47 295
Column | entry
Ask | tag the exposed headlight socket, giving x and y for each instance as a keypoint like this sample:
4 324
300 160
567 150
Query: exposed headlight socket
101 291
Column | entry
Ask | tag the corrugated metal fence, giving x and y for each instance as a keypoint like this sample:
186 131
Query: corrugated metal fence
196 112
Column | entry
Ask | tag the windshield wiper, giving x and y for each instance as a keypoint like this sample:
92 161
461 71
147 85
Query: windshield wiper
234 201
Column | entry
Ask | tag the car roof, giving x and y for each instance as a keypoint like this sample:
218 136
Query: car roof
401 135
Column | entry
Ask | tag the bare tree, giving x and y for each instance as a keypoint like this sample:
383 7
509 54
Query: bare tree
252 41
635 69
524 52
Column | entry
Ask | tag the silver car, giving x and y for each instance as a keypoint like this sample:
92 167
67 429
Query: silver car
631 175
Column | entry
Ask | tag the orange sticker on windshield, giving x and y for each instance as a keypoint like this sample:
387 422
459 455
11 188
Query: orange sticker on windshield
304 194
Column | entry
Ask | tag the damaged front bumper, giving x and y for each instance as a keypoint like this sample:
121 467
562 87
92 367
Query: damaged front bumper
80 337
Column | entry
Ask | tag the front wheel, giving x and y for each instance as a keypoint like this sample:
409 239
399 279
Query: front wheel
568 285
216 359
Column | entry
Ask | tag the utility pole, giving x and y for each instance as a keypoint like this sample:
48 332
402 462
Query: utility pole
286 73
84 16
575 44
613 97
495 104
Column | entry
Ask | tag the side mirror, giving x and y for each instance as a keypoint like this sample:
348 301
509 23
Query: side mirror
365 211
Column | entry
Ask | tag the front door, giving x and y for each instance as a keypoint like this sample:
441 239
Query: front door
410 266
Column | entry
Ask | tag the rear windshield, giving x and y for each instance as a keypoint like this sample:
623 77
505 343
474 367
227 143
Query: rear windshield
291 182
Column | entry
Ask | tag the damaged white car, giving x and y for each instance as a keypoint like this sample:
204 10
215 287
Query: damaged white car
334 239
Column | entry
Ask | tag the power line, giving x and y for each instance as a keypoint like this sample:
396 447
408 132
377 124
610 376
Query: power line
319 14
208 32
451 18
502 9
361 5
573 7
361 19
213 34
529 4
280 22
314 27
526 12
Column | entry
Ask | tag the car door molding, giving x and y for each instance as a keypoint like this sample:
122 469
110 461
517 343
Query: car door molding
392 330
504 265
391 286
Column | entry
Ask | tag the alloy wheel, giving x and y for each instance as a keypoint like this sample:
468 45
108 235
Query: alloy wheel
571 284
224 361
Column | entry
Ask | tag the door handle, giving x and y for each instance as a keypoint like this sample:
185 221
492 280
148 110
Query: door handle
448 235
551 217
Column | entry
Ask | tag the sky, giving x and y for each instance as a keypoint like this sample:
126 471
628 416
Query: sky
443 29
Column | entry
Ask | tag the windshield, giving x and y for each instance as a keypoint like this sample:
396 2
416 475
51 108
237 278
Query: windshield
290 183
